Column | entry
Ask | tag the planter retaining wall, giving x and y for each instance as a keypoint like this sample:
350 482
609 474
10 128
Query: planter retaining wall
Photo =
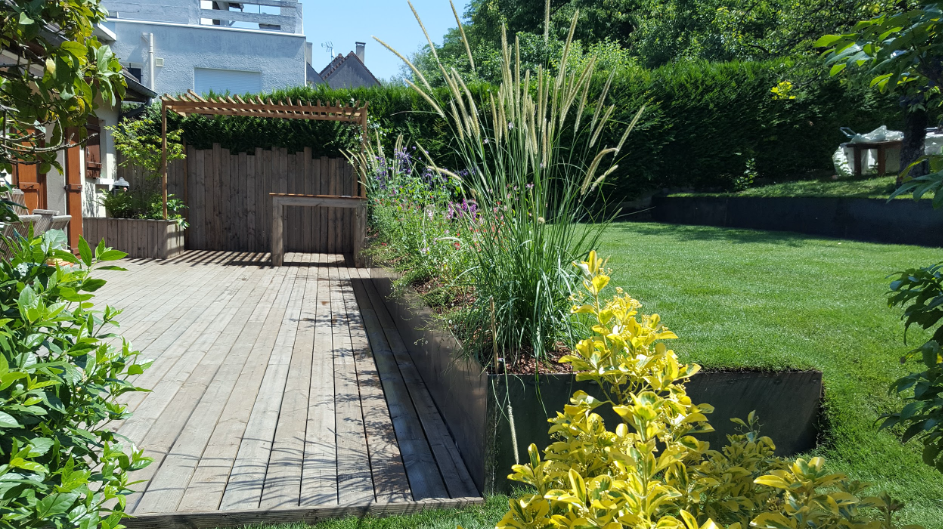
861 219
474 404
139 238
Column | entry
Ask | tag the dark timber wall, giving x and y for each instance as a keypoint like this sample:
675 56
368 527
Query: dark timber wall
862 219
474 404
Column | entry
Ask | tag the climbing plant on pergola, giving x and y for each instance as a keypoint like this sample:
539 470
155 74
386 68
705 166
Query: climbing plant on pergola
255 107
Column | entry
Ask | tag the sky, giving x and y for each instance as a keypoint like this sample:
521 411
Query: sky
345 22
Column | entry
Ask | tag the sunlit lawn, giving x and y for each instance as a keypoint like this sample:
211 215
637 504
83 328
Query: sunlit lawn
777 300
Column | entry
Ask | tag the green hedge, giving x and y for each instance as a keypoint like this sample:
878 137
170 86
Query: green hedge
707 124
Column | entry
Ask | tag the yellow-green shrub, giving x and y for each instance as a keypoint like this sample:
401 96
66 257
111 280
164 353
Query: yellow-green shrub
651 472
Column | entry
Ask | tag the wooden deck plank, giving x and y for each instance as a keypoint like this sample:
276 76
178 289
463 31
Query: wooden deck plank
167 487
319 473
424 478
386 463
282 486
161 433
212 473
354 480
448 460
280 389
244 489
160 311
186 337
299 515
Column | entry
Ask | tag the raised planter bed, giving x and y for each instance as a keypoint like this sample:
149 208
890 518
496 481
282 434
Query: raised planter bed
139 238
477 406
862 219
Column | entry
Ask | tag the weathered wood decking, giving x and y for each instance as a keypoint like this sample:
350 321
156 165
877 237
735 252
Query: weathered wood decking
281 393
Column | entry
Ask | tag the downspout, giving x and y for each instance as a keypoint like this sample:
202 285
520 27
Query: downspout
151 61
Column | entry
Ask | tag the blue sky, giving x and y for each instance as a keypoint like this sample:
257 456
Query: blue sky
348 21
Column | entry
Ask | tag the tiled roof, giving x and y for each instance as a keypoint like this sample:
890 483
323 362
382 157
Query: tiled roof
339 61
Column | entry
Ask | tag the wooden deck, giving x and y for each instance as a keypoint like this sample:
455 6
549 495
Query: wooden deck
278 394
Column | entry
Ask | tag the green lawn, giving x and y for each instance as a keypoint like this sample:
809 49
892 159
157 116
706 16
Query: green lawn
871 188
775 300
480 517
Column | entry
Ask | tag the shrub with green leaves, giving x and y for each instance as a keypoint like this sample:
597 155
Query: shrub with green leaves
60 377
650 471
141 147
920 292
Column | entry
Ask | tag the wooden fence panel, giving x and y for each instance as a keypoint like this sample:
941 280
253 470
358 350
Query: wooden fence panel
229 207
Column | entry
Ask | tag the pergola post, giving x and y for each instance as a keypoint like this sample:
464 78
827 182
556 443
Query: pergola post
163 152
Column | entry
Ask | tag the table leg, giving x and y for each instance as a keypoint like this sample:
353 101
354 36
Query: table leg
857 154
882 159
359 233
278 245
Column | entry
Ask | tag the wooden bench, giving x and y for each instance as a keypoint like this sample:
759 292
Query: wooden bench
281 200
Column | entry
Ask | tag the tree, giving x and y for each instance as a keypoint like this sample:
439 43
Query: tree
903 53
52 83
657 32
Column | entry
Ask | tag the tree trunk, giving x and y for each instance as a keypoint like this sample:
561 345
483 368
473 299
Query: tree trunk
915 132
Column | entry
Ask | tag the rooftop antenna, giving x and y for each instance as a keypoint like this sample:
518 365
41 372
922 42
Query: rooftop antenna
329 47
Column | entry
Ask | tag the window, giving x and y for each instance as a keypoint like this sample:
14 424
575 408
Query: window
222 81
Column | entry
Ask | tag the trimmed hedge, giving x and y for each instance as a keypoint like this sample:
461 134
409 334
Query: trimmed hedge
707 125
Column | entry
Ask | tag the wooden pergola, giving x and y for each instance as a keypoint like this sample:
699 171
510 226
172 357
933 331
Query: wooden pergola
255 107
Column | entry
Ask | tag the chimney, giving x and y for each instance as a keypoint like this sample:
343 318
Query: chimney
360 47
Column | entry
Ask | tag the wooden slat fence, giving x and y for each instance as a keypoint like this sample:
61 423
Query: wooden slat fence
229 204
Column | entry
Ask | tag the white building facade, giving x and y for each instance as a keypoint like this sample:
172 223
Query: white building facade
238 47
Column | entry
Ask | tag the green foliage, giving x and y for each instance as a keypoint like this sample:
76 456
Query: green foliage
57 37
143 202
409 208
703 124
60 377
920 292
657 32
651 471
709 124
533 162
902 53
879 187
140 147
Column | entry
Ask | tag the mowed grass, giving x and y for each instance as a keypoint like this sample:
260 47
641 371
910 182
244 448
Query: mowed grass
855 188
477 517
740 298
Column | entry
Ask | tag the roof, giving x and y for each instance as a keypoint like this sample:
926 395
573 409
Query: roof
339 61
135 88
312 75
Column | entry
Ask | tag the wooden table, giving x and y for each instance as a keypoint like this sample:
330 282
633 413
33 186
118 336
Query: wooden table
280 200
881 148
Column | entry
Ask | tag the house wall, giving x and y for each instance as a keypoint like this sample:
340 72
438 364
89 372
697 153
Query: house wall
56 181
278 57
288 18
174 11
